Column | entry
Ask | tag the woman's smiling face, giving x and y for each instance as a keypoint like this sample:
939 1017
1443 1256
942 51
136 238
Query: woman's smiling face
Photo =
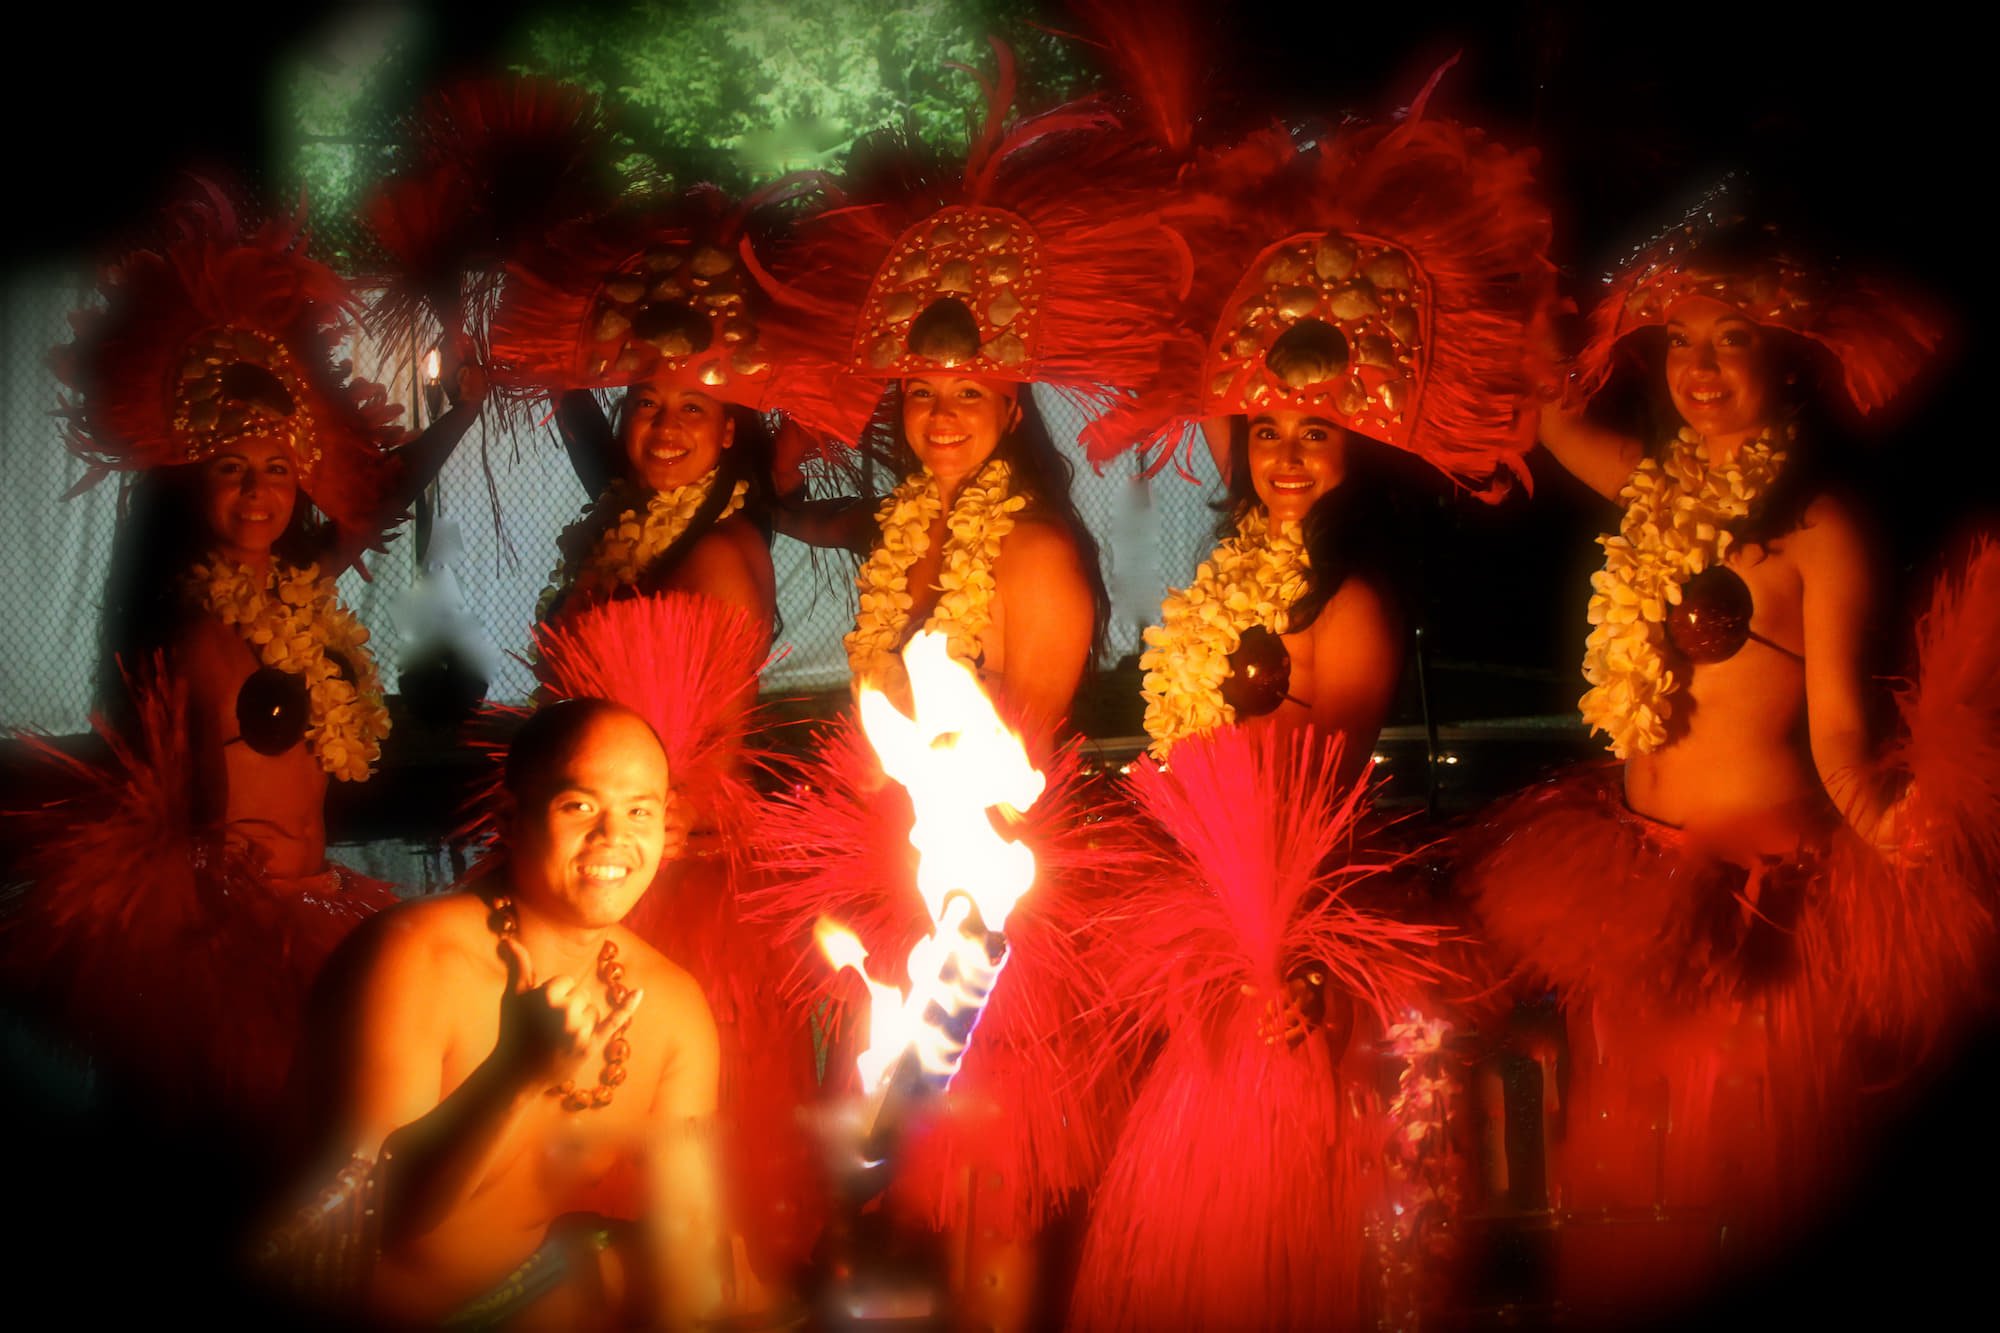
954 423
673 435
1295 458
1718 369
249 490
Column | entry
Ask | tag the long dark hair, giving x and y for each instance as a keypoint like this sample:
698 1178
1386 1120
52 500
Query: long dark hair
1041 473
161 535
1351 530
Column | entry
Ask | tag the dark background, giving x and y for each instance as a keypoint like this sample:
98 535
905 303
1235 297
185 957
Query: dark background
1870 124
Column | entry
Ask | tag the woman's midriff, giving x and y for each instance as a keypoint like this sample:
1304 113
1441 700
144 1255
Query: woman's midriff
1739 774
276 804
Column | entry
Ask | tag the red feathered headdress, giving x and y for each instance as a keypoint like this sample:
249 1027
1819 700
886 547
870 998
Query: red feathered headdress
1386 279
673 289
1035 261
1717 251
496 164
217 337
687 664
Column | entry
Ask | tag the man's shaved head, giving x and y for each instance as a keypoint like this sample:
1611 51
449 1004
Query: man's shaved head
547 739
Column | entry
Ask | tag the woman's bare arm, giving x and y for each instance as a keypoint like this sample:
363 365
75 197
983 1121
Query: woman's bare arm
587 438
1599 458
846 523
1047 616
1357 664
1837 584
418 464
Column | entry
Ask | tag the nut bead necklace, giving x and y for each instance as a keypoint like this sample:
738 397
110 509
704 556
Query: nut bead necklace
505 922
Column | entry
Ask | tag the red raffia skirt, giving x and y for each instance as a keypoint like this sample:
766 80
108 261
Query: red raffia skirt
166 954
1725 1023
1250 1180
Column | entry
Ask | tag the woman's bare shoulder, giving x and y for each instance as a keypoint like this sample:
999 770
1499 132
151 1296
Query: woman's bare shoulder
1834 532
1039 545
209 655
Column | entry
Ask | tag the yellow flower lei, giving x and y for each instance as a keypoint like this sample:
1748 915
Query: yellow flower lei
1249 579
292 618
637 539
981 518
1675 526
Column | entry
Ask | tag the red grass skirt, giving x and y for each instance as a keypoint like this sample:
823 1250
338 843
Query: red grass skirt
1725 1024
166 953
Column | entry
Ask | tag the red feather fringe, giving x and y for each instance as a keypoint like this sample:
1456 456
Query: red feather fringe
1091 192
500 162
1719 1049
1031 1109
160 948
1465 208
1246 1172
1881 339
120 414
687 664
1952 716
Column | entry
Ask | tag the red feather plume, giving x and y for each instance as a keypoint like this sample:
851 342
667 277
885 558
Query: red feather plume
1465 209
127 356
160 947
497 163
1089 190
1246 1173
1881 338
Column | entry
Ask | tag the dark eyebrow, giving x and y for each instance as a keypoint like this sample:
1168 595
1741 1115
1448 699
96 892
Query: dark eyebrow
1268 419
1731 318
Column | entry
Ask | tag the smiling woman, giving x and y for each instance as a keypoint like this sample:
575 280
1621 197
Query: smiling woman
236 684
960 292
982 541
1339 315
1035 267
1782 935
657 302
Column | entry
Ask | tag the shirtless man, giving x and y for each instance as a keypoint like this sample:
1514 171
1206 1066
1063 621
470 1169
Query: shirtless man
504 1050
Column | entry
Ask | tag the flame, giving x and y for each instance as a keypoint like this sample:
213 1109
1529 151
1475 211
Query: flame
433 365
958 762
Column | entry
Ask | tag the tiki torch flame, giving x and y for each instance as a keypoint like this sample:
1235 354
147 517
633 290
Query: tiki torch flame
958 763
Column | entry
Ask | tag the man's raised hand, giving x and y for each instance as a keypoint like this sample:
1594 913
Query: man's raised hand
552 1031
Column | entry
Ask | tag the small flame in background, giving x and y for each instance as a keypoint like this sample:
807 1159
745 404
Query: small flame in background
958 761
433 366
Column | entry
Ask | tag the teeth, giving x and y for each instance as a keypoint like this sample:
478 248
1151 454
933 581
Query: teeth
605 874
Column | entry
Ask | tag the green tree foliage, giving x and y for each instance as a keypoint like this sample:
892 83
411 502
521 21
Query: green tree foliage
336 113
731 91
741 92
